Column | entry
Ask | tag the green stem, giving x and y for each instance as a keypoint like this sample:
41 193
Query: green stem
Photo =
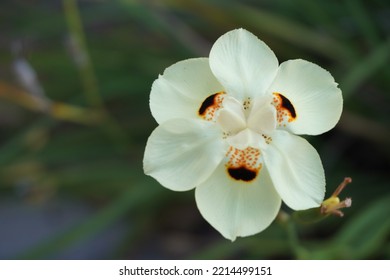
88 76
87 72
297 249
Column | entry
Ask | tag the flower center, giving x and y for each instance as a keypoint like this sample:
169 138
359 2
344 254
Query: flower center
247 127
247 124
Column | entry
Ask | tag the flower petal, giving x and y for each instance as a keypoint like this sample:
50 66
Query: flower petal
180 91
182 153
231 118
313 95
246 138
237 208
243 64
296 170
262 117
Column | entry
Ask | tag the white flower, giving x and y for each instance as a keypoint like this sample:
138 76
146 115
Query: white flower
227 126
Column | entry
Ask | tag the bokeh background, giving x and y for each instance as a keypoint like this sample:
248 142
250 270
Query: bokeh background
75 78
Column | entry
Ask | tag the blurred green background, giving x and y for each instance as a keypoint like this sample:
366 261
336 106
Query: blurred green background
75 78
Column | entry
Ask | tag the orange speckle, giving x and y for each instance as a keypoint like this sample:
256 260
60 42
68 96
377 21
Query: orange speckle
211 105
244 164
285 110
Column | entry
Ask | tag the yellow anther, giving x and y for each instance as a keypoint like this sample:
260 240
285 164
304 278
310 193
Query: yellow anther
332 205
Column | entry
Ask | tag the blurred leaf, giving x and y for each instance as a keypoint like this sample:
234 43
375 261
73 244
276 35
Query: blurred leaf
87 72
318 12
297 34
160 19
272 24
270 242
308 216
128 201
365 69
372 130
41 104
363 20
130 43
362 236
17 146
100 179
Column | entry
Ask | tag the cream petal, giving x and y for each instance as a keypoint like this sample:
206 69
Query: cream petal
246 138
262 117
313 93
182 153
237 208
243 64
296 170
231 118
180 91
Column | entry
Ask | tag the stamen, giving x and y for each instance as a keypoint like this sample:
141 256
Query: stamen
332 205
342 185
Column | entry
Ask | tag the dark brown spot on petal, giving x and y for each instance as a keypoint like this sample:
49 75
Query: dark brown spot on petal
286 104
210 106
208 102
242 173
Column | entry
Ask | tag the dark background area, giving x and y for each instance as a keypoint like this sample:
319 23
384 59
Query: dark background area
75 78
